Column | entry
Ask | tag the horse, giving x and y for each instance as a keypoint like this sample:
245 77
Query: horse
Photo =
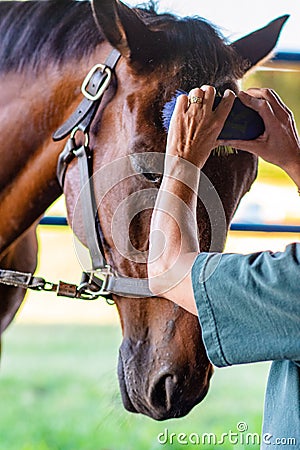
47 48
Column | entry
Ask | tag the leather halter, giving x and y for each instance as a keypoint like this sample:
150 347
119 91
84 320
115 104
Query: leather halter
102 280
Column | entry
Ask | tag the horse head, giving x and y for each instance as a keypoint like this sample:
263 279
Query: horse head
163 367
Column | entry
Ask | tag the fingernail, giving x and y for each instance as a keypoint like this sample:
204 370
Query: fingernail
206 86
228 92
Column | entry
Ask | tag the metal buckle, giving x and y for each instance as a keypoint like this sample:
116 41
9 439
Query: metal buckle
104 85
86 290
105 273
73 136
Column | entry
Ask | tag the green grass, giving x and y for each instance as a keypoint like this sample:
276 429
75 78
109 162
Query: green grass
59 390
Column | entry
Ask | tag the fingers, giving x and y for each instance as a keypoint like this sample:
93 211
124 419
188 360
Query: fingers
202 104
196 97
225 106
248 146
270 107
264 109
272 97
279 101
208 97
260 105
279 109
180 109
198 124
203 97
182 103
253 99
288 112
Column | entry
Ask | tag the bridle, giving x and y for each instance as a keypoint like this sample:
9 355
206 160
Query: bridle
102 280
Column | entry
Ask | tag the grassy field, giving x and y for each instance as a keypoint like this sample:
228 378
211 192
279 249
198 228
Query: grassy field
58 390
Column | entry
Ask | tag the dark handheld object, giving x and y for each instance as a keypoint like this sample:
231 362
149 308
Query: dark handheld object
243 123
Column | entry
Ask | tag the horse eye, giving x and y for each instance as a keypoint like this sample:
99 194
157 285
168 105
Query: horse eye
150 165
153 177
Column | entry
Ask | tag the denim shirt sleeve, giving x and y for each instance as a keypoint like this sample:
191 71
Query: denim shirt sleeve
249 305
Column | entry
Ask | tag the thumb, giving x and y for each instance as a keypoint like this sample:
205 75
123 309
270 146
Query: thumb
248 146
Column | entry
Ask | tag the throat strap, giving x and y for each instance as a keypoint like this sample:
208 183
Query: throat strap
89 209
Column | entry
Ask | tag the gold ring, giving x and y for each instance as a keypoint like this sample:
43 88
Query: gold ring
195 99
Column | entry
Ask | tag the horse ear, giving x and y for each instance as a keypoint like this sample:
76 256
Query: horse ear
125 31
257 45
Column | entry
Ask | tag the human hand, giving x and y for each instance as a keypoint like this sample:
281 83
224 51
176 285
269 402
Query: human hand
194 127
279 144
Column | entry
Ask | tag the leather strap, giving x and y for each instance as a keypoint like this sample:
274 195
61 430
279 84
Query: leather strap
123 286
89 208
21 279
87 107
129 287
64 159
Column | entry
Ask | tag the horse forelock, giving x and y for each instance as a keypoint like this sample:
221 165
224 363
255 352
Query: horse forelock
199 49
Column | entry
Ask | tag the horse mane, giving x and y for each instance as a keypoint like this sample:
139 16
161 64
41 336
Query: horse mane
34 33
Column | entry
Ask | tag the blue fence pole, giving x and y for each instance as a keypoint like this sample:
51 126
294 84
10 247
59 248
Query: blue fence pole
53 220
287 57
260 227
250 227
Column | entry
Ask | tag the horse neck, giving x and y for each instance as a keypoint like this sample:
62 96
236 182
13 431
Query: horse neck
32 106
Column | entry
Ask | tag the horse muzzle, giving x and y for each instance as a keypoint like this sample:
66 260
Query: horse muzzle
153 385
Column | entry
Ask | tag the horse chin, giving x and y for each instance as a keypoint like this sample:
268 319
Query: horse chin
162 402
123 389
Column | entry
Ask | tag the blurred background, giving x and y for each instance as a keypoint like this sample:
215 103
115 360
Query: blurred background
58 382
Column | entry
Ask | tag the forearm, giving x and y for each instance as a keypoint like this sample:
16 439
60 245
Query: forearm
174 235
174 242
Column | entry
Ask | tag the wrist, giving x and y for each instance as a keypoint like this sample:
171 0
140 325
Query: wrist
293 171
180 170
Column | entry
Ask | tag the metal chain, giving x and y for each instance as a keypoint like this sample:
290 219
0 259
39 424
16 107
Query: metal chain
88 289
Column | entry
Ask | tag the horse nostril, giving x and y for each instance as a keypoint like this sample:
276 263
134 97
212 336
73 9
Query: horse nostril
162 392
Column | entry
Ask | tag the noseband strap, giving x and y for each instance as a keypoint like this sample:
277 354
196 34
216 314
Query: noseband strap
102 280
